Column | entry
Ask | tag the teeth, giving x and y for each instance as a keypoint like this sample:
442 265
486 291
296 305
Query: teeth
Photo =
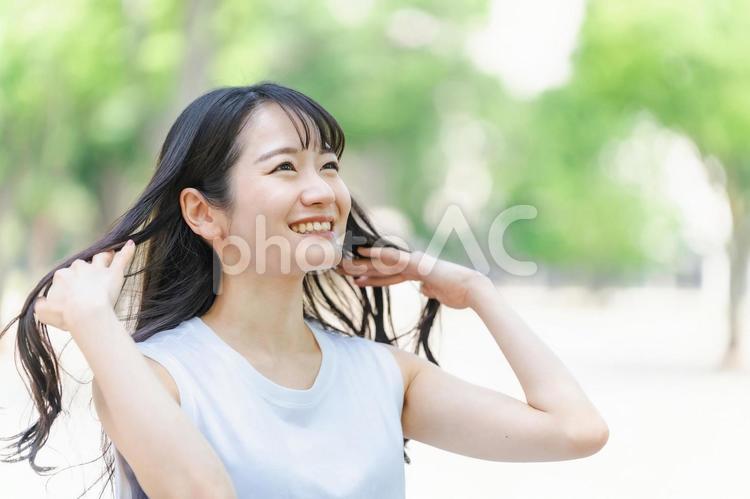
304 228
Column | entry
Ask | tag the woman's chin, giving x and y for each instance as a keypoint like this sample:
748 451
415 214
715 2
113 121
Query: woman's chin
314 255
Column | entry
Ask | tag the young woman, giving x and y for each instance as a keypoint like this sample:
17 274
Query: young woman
243 249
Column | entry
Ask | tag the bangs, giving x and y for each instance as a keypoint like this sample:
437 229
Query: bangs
318 125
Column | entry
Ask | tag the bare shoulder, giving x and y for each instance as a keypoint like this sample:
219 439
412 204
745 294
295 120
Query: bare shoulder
407 362
166 379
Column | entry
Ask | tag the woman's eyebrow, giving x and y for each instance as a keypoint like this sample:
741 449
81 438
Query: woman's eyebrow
287 150
274 152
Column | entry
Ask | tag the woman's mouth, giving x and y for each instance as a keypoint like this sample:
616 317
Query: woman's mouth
321 229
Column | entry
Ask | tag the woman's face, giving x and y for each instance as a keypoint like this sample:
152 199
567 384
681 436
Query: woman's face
276 183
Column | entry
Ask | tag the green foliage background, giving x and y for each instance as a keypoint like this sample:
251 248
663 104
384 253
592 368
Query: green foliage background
88 89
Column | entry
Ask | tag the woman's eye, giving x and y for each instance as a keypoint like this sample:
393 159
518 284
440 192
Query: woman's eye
288 164
284 164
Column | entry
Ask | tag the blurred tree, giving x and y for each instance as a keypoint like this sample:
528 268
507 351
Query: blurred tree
84 92
686 63
408 97
87 94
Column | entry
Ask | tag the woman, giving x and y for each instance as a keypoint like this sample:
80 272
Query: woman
234 383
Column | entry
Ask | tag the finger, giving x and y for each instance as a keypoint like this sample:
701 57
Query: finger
41 310
391 257
123 257
426 290
351 270
381 252
60 274
355 266
38 308
387 261
78 263
378 281
103 259
377 273
369 269
385 253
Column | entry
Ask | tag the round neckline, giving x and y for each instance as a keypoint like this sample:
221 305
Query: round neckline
272 391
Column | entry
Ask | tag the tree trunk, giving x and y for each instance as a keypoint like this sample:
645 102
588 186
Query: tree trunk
110 195
738 249
5 204
194 76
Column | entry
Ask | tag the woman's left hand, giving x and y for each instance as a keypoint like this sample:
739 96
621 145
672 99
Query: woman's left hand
447 282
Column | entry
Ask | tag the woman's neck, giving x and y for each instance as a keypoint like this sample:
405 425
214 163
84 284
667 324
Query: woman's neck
262 313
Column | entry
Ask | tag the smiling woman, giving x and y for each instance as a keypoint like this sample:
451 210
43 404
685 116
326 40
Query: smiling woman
235 382
253 168
281 179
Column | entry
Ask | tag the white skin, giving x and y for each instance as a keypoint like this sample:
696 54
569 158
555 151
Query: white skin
258 309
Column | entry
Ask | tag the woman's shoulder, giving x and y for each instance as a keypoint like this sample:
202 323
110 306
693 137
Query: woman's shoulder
170 337
390 355
172 352
349 339
346 339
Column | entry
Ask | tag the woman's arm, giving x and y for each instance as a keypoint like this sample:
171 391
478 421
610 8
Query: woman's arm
168 454
557 422
548 385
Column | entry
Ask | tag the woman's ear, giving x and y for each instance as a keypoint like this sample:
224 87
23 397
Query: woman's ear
204 219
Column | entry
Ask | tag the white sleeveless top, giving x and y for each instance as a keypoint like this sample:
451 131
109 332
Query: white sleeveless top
341 438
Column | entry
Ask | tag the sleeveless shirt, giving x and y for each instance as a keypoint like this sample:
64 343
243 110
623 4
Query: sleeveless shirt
341 438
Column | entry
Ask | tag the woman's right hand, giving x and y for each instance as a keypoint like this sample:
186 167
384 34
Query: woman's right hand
83 289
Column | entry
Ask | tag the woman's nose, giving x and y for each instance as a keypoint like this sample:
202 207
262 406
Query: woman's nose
317 190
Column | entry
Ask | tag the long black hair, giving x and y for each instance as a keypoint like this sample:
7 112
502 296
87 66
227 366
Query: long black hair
171 276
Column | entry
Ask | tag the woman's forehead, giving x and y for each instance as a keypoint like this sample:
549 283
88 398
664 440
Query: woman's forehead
270 126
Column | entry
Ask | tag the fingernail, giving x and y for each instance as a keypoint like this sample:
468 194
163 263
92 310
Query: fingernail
129 243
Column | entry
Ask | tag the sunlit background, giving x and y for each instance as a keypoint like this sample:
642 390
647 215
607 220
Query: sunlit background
622 126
